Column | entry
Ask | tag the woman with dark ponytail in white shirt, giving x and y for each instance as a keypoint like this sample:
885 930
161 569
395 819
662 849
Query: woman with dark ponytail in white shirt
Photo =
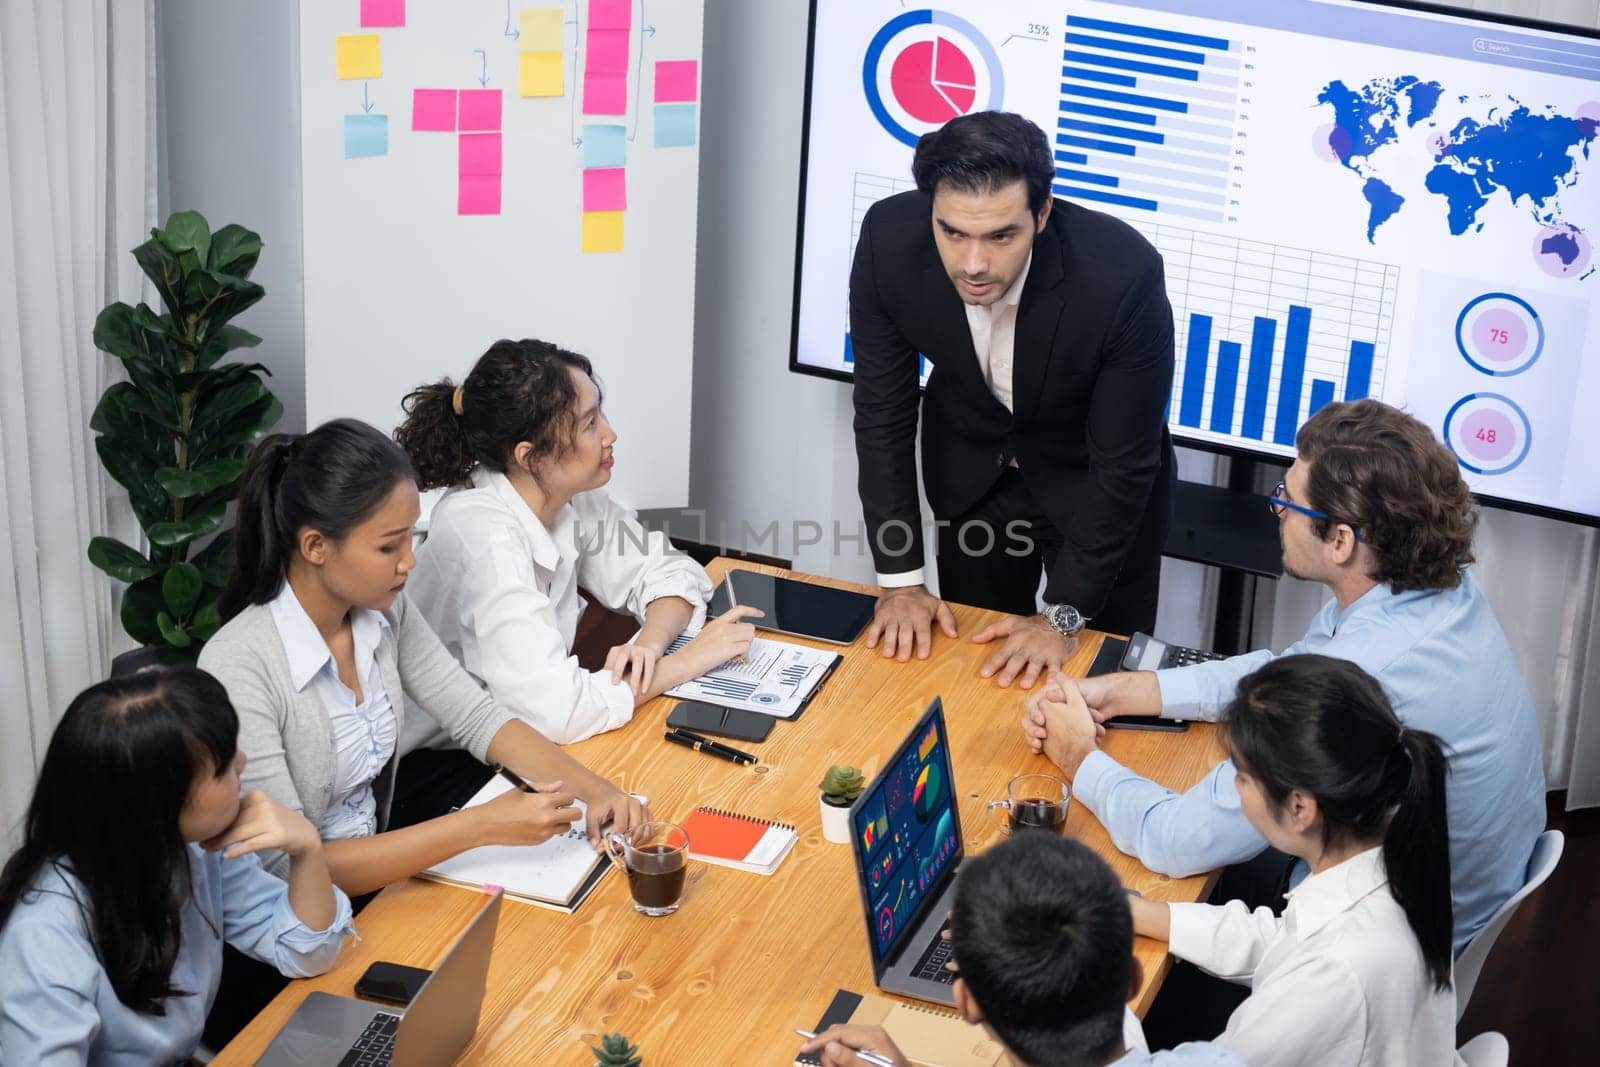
525 450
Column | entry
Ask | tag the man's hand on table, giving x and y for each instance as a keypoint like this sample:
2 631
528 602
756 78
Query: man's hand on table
1031 648
1122 693
1057 722
903 622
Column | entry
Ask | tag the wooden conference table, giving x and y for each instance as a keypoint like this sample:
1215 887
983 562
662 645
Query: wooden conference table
747 958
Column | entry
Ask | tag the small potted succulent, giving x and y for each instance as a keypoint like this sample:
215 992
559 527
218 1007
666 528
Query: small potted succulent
840 787
615 1050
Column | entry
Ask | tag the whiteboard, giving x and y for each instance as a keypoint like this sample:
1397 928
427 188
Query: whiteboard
402 288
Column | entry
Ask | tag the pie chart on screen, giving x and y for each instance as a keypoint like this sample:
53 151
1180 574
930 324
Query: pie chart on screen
935 81
926 67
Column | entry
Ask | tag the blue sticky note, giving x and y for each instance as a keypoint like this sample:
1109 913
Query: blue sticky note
603 145
366 135
675 125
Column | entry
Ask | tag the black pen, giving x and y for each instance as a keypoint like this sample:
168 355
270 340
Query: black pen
512 776
709 747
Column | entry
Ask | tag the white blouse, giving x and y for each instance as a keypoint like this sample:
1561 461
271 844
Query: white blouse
501 591
364 734
1337 979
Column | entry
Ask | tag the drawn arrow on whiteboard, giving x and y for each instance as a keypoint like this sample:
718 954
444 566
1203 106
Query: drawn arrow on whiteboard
483 78
514 34
572 108
366 105
638 81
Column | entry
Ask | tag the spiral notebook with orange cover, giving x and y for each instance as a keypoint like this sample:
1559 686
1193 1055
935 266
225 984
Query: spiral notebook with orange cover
926 1036
741 841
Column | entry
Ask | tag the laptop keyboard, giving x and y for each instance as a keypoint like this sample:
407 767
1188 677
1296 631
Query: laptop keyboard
1178 656
375 1046
932 965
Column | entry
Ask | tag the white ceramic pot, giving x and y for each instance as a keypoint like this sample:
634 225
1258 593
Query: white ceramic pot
835 822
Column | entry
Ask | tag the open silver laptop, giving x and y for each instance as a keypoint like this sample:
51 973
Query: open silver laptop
906 835
433 1029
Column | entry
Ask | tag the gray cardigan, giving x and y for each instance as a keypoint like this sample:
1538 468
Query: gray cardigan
287 736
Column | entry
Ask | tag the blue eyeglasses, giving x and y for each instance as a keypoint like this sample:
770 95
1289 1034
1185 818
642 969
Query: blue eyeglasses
1278 502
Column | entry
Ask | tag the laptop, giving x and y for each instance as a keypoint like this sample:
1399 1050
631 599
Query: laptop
906 836
433 1029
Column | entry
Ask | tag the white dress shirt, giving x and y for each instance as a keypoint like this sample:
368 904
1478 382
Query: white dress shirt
1337 979
994 335
363 734
501 591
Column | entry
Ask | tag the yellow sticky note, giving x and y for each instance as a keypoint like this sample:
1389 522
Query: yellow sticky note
541 74
541 30
602 231
360 55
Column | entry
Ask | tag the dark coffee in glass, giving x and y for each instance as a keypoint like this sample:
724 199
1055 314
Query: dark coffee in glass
655 876
1037 813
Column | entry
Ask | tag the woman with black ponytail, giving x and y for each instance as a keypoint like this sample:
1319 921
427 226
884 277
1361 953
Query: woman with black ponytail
326 660
1357 968
525 449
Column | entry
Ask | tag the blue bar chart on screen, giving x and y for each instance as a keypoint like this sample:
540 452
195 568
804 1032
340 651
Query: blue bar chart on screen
1351 198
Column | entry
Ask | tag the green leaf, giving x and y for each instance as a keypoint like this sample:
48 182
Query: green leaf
234 250
169 630
133 470
118 560
210 475
141 602
218 297
113 418
216 560
221 341
116 333
161 267
181 588
206 622
187 231
195 525
242 428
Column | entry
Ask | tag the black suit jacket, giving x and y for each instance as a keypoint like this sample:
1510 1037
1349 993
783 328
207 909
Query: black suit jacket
1092 374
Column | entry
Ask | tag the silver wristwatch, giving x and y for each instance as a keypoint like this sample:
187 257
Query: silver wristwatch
1065 619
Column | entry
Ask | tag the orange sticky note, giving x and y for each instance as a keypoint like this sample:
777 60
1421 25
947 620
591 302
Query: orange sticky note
602 231
359 55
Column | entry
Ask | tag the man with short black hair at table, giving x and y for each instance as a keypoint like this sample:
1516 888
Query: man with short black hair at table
1374 508
1042 937
1044 438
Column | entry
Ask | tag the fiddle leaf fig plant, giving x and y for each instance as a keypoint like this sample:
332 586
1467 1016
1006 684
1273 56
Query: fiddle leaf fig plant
176 435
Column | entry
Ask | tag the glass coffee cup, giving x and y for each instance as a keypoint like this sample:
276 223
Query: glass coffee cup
655 857
1035 802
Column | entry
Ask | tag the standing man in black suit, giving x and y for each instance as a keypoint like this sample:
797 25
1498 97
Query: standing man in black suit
1044 437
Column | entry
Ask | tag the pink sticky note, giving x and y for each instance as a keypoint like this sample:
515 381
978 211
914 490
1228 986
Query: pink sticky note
610 14
604 189
677 81
479 195
383 12
479 154
607 53
605 94
433 109
480 109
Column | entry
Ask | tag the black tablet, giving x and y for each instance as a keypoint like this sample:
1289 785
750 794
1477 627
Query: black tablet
798 608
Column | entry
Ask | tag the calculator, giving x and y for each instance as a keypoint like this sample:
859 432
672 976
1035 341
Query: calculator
1146 653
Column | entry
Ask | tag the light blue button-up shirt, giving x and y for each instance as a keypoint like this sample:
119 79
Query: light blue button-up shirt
1445 665
57 1005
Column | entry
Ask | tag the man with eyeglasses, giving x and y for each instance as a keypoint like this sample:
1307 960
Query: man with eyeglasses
1375 508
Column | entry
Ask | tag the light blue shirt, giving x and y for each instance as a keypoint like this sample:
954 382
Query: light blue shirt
1446 667
1188 1054
57 1005
364 733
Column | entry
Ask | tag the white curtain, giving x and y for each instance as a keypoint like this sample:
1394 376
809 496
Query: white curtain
1542 576
77 152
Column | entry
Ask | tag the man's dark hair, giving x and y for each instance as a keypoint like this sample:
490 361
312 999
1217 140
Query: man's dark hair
984 152
1043 936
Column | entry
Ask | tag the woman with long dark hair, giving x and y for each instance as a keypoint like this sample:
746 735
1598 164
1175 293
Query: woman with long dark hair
1357 968
524 448
138 861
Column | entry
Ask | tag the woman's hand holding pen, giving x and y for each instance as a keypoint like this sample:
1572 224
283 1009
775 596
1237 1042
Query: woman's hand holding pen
519 818
723 638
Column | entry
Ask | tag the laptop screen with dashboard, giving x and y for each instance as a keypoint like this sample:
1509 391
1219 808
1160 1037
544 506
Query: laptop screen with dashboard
906 835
